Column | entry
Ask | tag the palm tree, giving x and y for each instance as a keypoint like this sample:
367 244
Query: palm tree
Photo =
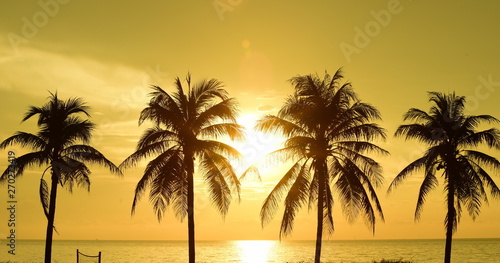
185 127
329 132
56 146
451 135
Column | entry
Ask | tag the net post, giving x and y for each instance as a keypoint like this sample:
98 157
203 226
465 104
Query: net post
99 256
77 258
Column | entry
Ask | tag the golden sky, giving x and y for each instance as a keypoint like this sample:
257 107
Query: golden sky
108 52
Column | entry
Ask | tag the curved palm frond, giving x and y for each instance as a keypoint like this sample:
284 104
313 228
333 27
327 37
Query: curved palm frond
28 160
297 196
490 138
233 130
216 169
218 147
24 139
88 154
271 203
224 110
409 169
430 182
276 125
44 196
156 135
144 152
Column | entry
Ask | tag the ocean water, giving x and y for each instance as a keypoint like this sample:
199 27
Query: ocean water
257 251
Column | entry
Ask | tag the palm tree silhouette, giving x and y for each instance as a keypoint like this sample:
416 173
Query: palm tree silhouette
328 133
55 146
450 135
182 127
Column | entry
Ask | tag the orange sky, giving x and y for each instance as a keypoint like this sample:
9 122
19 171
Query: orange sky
108 53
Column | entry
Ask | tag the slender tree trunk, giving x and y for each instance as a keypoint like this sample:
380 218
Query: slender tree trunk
190 202
52 214
450 217
320 173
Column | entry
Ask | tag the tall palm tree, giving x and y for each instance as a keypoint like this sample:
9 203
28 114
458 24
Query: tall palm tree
62 145
451 136
328 131
186 126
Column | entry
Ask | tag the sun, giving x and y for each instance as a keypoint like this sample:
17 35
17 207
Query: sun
257 144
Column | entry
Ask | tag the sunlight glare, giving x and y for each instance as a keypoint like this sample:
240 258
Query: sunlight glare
255 251
256 144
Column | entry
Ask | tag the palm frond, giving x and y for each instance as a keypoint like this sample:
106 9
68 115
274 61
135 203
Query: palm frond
28 160
44 197
414 166
414 114
32 111
223 165
484 176
328 211
482 159
218 147
222 111
416 131
359 180
490 138
350 193
88 154
144 152
76 105
472 191
296 197
24 139
430 182
275 125
233 130
360 147
159 114
164 172
71 172
219 190
471 122
271 202
365 131
156 135
168 166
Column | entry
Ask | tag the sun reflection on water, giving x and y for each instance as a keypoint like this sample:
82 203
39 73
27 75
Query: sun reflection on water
255 251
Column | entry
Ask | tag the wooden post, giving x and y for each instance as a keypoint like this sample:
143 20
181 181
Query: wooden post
77 257
99 256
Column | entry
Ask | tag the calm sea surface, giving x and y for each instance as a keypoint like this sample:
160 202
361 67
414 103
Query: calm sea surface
464 250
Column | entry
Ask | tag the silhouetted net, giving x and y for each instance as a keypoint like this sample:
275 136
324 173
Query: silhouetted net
84 258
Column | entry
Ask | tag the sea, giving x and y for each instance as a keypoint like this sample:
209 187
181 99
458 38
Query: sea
256 251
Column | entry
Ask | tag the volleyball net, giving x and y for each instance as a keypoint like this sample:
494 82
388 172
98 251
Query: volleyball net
84 258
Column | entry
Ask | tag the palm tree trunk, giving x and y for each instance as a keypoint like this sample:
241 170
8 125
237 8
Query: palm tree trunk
319 229
190 202
52 214
320 173
450 218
